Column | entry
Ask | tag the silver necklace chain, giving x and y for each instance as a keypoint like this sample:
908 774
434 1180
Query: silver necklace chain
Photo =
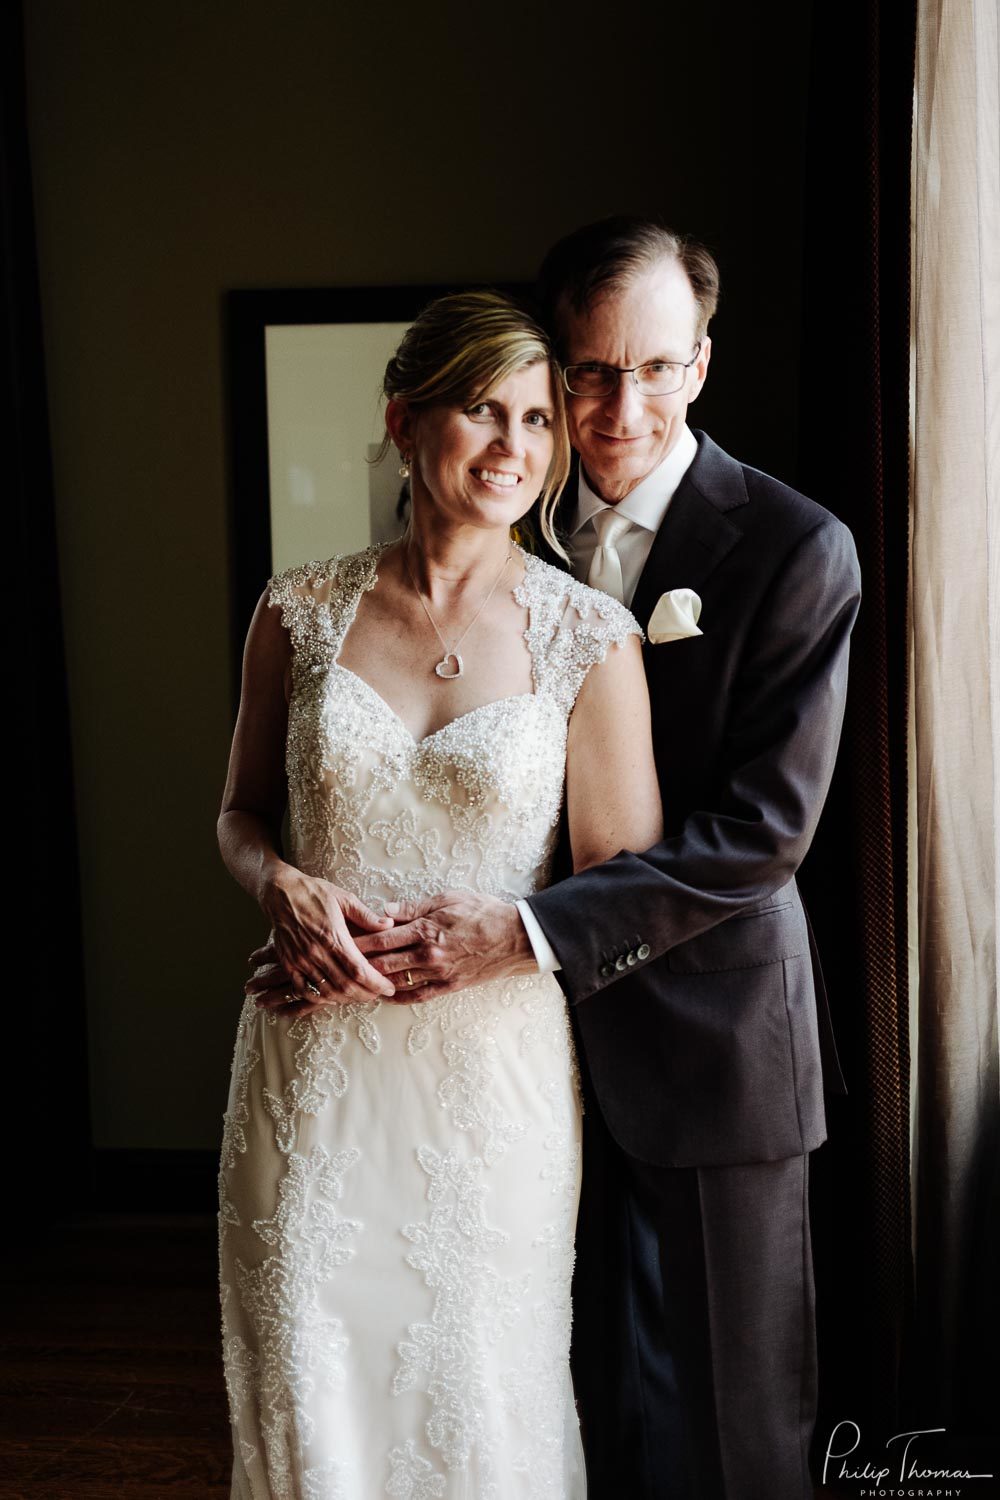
451 652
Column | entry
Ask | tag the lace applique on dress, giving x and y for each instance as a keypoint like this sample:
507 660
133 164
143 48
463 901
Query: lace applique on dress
451 1250
326 1483
300 1347
399 1182
413 1477
320 1075
571 628
467 1022
485 791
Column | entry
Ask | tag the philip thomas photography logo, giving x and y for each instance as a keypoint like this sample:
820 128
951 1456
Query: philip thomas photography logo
907 1466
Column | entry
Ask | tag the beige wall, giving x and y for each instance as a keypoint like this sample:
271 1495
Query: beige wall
183 149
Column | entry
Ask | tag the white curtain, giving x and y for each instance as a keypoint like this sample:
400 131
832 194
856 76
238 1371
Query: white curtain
955 593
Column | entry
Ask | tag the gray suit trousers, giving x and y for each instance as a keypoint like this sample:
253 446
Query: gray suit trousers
694 1286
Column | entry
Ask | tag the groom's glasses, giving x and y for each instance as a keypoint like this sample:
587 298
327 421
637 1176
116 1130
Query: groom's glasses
660 377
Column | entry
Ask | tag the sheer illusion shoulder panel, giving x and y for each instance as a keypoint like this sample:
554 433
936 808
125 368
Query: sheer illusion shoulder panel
317 602
303 594
572 628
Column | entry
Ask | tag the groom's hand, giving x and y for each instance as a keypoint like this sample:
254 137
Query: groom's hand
273 988
447 942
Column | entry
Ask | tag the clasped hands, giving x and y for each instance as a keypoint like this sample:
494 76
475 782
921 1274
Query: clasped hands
418 950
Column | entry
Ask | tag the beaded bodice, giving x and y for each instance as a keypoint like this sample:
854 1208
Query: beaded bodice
474 805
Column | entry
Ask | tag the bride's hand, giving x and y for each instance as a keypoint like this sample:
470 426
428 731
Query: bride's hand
312 939
270 986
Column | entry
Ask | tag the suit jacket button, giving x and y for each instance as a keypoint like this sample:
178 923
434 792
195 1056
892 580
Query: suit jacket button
630 959
606 971
643 951
620 965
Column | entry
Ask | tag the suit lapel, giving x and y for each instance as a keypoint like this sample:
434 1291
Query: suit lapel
696 533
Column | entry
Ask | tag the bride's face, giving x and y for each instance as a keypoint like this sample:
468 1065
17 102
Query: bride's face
485 465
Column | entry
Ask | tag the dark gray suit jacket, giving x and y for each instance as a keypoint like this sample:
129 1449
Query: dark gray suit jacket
691 966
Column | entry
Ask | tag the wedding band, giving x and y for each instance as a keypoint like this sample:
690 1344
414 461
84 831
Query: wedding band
409 977
311 987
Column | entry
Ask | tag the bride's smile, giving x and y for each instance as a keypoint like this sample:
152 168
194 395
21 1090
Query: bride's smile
484 464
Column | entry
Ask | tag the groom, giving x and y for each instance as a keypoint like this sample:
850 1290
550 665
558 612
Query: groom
690 969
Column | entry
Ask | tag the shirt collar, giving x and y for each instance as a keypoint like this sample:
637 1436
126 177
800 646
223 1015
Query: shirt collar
646 505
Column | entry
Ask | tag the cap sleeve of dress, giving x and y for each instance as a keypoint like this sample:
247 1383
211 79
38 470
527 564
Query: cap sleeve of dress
571 628
302 594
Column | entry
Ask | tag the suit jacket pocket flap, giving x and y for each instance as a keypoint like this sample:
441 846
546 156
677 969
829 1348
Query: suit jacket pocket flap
744 942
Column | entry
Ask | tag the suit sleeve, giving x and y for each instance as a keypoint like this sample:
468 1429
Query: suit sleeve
787 709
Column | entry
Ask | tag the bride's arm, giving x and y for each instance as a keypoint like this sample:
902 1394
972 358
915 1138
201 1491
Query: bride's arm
612 794
309 915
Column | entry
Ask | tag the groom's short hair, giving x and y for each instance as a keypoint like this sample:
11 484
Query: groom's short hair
608 255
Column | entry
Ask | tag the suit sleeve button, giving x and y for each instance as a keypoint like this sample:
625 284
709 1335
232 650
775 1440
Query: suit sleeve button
630 959
620 965
643 951
606 971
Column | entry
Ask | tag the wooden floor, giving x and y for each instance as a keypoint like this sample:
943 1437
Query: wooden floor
110 1371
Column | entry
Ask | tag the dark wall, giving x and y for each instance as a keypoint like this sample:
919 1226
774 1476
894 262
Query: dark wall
181 150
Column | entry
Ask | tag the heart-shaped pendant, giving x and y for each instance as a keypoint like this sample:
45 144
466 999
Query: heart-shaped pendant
442 667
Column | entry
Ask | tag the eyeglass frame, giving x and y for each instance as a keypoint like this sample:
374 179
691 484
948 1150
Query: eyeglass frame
621 370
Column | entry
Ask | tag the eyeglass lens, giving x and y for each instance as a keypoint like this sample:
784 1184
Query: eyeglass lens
656 379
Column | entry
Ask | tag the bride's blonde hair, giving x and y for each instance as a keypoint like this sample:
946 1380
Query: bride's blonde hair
457 350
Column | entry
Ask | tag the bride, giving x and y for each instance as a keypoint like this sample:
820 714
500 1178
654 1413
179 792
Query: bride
399 1174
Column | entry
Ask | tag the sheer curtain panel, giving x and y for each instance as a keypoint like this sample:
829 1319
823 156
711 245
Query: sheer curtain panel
956 677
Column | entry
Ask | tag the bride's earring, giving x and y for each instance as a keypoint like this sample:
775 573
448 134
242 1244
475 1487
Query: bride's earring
404 468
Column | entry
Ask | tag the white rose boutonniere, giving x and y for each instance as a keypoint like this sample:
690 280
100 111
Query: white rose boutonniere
676 615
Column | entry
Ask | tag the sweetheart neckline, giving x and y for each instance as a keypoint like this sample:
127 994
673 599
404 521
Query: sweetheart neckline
375 551
419 743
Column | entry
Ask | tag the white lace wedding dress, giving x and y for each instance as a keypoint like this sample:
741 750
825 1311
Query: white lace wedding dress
399 1183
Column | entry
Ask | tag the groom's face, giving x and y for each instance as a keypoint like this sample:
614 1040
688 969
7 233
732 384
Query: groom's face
624 436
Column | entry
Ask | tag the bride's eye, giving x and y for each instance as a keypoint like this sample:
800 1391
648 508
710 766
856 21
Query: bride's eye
538 419
479 411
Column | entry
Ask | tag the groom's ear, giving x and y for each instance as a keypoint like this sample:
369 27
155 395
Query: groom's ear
700 368
400 424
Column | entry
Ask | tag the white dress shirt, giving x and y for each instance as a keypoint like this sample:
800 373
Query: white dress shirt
645 507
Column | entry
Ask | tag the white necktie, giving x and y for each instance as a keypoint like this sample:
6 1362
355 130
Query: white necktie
605 565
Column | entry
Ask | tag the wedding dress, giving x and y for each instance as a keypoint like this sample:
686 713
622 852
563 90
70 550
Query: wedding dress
399 1183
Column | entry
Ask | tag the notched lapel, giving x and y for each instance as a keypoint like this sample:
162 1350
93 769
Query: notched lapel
696 533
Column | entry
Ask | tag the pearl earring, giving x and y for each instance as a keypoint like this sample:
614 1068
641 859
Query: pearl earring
404 468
